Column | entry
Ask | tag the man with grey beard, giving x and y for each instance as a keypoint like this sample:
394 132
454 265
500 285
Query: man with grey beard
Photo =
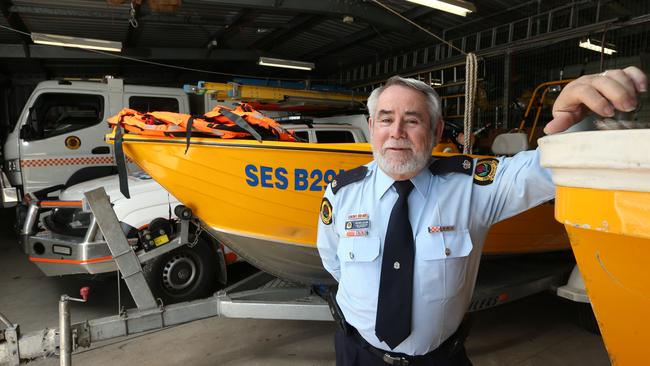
403 235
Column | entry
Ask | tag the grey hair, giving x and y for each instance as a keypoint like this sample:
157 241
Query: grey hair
432 98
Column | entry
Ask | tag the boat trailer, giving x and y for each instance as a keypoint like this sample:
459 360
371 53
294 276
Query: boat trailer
260 296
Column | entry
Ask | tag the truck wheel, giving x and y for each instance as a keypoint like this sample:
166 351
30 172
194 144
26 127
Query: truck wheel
587 319
184 273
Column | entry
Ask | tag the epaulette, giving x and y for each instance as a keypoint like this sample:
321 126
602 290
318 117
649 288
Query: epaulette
348 176
452 164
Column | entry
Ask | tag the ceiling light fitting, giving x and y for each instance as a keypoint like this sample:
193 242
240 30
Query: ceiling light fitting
458 7
595 45
78 42
289 64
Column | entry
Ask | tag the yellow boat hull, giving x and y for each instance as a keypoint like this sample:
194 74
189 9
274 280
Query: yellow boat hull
610 237
262 199
603 199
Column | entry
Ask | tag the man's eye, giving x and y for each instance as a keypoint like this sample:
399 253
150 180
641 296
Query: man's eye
385 120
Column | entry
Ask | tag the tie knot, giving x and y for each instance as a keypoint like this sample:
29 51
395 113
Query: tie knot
403 187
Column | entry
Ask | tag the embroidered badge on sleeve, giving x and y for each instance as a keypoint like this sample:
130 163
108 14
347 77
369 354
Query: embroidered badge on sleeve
326 211
485 171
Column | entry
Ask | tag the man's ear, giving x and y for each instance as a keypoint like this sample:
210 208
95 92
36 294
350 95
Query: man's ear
440 126
370 123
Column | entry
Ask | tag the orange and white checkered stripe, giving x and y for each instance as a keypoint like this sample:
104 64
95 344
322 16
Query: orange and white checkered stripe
95 160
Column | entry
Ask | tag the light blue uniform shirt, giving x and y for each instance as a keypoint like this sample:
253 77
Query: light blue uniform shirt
446 261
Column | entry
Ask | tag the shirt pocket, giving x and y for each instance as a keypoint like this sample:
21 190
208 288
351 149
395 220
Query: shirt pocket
441 263
360 266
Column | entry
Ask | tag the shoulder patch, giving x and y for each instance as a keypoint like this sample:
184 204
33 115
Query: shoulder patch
485 171
348 176
452 164
326 211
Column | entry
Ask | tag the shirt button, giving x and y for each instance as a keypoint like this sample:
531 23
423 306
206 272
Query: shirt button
396 265
351 255
447 252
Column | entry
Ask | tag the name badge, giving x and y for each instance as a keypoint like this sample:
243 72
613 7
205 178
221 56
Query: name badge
440 229
358 224
360 232
358 216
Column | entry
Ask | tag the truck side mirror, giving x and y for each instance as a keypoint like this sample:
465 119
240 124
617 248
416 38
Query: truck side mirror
29 131
26 132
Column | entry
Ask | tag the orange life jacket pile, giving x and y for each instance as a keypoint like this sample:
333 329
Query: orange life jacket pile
242 122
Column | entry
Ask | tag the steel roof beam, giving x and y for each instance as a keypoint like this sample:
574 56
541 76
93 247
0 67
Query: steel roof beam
363 35
280 35
117 14
9 51
243 16
15 21
358 9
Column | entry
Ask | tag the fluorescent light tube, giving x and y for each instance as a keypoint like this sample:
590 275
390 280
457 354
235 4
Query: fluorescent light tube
596 46
288 64
458 7
78 42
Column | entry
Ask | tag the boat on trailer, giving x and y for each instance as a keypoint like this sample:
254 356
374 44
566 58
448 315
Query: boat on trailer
262 198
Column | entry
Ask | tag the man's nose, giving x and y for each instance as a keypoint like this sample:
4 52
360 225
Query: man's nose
397 129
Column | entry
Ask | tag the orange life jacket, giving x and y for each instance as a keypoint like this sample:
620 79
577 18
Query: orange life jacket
220 122
240 123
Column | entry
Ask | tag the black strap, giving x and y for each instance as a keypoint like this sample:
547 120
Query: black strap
188 133
336 311
236 119
121 161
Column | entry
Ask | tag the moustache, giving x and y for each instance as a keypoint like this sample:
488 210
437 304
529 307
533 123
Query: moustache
397 144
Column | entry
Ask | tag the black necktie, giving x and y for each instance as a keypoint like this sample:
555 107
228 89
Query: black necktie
393 323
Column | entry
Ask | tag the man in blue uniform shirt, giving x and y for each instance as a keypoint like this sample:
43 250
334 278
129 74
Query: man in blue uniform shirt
403 235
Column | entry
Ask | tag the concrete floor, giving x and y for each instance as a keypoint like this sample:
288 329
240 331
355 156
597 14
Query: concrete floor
540 330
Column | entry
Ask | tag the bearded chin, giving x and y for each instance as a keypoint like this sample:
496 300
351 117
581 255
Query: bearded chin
407 166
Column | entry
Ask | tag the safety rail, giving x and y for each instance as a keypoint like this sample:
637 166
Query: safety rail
546 87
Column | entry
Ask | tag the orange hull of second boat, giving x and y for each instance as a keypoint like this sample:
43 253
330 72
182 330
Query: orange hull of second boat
262 199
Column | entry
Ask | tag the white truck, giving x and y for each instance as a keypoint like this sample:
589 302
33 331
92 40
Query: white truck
58 140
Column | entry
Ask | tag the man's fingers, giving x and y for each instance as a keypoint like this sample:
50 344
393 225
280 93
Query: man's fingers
560 122
616 87
581 94
602 93
638 77
616 80
557 124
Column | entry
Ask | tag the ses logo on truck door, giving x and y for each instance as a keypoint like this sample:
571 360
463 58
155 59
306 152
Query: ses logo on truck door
72 142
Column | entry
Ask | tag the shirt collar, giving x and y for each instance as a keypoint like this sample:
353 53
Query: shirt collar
383 182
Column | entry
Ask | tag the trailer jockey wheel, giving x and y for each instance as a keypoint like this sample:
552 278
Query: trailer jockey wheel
184 273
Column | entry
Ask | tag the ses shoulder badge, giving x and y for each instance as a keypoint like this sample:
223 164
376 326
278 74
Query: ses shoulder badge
326 211
485 171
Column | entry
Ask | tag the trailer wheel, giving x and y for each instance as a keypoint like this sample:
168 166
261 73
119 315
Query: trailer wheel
587 319
184 273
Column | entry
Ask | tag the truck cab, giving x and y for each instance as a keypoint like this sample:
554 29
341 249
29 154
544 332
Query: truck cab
58 140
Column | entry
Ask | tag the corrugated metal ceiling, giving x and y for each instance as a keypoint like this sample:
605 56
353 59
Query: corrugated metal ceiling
245 29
